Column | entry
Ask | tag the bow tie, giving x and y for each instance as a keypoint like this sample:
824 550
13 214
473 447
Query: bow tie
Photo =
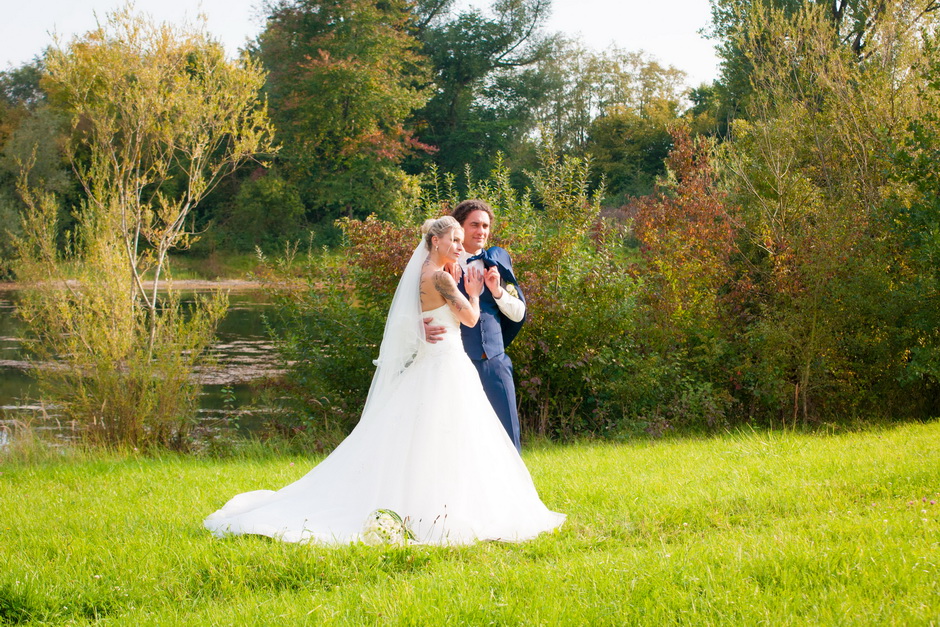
482 256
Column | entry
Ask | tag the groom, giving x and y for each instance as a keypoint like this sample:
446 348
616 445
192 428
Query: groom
502 312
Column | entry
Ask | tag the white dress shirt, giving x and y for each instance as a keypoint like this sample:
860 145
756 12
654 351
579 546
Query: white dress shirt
510 306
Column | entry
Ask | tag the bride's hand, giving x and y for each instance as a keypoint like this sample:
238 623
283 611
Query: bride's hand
473 282
454 270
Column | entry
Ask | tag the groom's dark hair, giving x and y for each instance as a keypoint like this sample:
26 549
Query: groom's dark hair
467 207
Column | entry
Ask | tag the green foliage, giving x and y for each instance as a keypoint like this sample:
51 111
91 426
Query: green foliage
488 83
912 218
9 214
38 140
30 132
616 106
630 147
854 27
266 212
747 528
20 93
344 77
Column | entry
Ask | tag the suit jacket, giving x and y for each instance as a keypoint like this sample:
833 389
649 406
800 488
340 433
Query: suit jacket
494 332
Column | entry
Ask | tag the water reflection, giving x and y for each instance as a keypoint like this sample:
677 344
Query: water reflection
243 354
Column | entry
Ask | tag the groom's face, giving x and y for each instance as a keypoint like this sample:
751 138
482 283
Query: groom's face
476 229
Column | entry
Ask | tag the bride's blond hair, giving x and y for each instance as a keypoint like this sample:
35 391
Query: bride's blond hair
437 228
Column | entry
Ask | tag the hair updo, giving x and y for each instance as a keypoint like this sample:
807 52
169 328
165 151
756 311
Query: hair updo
437 228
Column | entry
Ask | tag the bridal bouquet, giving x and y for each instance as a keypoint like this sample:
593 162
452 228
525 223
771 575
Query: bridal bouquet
383 526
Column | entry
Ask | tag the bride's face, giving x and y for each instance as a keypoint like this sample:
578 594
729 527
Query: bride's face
450 245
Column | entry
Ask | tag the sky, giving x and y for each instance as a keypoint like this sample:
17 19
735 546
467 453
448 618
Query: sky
667 31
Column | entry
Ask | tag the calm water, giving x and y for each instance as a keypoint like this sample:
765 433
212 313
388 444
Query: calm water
243 351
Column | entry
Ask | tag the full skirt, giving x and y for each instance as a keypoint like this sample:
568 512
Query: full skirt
435 453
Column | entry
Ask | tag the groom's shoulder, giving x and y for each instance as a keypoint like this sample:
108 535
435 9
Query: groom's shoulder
499 254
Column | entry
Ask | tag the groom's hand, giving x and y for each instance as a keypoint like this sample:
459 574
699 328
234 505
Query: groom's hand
433 334
492 281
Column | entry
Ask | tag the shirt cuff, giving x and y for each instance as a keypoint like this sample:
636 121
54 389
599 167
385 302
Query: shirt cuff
511 306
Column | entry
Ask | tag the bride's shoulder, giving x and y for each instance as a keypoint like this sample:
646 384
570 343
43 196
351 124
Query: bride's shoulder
438 278
434 274
442 278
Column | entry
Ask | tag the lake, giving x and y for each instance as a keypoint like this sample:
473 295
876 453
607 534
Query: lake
244 353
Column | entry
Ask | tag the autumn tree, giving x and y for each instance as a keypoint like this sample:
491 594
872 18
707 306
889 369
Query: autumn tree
158 117
687 230
812 169
344 78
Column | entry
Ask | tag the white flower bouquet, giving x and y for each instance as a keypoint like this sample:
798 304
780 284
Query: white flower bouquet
383 526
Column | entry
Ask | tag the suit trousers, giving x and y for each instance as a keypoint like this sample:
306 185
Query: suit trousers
496 376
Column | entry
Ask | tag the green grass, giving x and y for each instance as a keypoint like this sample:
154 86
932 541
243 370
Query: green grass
215 266
749 528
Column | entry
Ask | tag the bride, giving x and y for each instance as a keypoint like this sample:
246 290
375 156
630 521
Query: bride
428 446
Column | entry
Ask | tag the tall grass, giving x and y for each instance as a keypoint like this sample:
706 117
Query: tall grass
748 528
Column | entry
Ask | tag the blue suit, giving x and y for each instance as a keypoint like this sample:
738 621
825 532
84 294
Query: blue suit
486 343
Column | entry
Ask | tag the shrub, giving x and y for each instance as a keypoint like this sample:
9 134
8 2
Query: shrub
687 231
569 262
328 320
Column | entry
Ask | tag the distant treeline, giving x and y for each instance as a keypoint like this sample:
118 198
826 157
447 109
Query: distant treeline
367 97
762 249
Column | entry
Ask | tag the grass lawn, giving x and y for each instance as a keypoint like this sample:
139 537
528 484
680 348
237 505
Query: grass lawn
748 528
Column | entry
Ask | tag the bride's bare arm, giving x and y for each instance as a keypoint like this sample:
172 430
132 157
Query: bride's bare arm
466 309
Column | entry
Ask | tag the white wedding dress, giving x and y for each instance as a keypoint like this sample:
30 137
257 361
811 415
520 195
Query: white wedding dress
433 451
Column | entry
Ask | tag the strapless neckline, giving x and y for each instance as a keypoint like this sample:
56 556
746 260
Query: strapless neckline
436 309
443 316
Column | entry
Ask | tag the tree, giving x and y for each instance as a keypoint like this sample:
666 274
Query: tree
811 170
29 131
19 94
158 117
630 147
855 27
614 104
582 85
264 214
573 76
486 84
344 78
